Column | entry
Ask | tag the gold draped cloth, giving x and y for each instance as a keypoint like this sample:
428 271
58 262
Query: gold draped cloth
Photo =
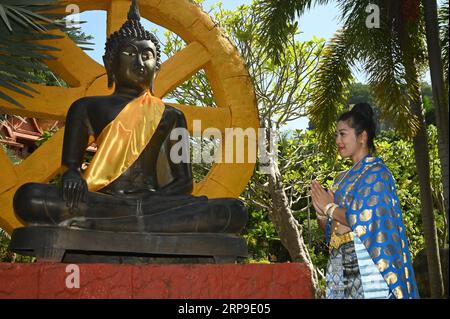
122 141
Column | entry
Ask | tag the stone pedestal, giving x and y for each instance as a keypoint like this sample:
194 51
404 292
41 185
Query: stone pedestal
69 245
204 281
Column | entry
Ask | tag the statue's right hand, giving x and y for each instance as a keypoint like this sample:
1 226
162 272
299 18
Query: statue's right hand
74 188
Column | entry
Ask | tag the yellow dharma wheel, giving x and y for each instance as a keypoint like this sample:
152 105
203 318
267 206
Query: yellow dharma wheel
208 48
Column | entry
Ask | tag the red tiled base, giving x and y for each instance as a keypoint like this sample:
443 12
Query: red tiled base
240 281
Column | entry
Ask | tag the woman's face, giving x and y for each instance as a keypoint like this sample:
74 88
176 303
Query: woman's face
347 142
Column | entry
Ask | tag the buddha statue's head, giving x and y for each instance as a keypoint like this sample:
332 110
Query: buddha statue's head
132 54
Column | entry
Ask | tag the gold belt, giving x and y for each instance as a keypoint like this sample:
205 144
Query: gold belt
337 241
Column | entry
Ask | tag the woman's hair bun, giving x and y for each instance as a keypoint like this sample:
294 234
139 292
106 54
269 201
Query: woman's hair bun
364 109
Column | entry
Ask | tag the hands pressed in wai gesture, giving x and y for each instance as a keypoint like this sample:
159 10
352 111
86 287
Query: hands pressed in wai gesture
320 198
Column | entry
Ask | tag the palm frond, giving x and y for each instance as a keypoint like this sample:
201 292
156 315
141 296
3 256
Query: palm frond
330 89
393 89
22 22
25 15
382 53
5 18
276 20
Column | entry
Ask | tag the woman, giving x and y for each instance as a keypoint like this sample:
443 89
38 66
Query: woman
369 256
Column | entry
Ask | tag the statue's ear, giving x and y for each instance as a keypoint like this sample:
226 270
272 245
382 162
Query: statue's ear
109 71
153 82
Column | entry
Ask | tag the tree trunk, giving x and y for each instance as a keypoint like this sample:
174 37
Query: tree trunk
288 228
421 155
440 94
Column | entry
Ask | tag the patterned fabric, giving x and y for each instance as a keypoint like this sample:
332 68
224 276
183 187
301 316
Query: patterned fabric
372 209
343 277
374 286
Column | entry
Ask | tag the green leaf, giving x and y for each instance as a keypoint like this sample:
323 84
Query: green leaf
21 63
10 100
18 83
18 73
35 15
38 27
17 20
4 17
86 48
27 53
13 88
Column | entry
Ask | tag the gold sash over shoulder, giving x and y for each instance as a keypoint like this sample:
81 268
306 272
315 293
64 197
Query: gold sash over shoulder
123 140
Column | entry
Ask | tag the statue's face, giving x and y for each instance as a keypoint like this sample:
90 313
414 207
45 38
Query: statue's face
135 66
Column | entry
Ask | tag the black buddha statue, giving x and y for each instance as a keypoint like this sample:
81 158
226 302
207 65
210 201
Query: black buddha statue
136 198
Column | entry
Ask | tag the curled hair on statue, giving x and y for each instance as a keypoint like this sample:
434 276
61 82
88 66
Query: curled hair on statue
361 118
132 29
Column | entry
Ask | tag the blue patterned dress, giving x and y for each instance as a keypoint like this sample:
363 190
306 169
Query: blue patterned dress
377 264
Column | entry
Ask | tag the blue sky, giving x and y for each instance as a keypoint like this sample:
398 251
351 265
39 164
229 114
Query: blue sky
321 21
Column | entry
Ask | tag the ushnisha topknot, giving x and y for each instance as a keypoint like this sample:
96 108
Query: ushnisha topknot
134 14
132 29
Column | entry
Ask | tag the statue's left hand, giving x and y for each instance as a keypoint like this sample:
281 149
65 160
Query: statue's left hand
74 188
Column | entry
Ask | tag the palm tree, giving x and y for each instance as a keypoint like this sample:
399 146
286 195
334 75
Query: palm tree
440 89
393 56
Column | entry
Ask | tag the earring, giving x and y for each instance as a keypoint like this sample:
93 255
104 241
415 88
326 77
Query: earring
111 80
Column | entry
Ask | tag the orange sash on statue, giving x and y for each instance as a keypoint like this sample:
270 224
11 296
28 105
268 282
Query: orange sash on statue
123 140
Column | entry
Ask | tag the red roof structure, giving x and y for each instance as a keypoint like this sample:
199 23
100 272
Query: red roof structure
20 134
